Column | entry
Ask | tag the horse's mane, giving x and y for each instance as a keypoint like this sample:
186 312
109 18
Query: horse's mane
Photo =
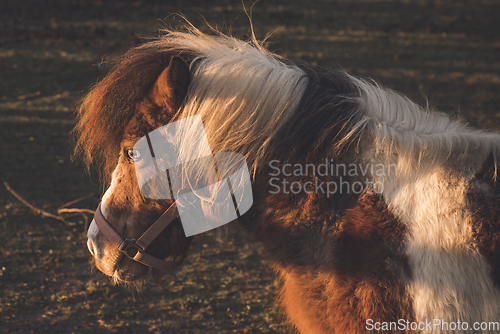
246 95
419 138
269 91
243 93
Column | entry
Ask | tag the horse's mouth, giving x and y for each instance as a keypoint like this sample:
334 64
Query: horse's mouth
111 262
127 274
114 263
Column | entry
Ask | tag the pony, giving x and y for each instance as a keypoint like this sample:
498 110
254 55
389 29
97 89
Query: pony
377 213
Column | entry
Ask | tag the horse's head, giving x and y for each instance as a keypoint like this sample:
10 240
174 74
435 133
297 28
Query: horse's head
128 212
244 97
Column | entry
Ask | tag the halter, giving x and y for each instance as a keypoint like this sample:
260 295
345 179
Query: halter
133 248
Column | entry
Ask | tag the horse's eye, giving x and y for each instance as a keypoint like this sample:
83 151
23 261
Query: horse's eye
132 155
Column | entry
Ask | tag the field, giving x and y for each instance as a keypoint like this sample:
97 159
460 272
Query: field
444 52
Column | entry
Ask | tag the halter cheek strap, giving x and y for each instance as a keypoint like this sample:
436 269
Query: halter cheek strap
133 248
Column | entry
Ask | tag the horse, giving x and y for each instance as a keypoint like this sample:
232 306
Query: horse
377 213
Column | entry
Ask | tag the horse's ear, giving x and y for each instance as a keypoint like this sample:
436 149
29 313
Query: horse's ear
171 86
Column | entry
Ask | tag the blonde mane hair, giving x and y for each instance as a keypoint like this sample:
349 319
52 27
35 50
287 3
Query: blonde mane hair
243 93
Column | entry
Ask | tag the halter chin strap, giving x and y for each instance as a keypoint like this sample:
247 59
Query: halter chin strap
133 248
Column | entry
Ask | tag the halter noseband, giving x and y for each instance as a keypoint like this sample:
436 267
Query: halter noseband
133 248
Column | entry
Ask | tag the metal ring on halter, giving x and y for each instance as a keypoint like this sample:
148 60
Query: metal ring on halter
128 244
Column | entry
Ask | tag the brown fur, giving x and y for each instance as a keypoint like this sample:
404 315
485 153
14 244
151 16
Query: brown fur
341 259
356 272
484 198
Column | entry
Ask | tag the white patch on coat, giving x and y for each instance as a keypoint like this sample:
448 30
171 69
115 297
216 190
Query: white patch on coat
435 158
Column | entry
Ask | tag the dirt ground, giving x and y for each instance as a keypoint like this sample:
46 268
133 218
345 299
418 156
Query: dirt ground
444 52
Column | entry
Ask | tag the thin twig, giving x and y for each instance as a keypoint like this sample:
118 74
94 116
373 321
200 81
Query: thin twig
75 210
35 209
59 211
76 201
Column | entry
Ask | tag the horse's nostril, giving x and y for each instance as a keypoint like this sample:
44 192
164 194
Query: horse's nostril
90 246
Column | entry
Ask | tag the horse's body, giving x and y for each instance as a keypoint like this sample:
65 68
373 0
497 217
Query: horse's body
375 212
